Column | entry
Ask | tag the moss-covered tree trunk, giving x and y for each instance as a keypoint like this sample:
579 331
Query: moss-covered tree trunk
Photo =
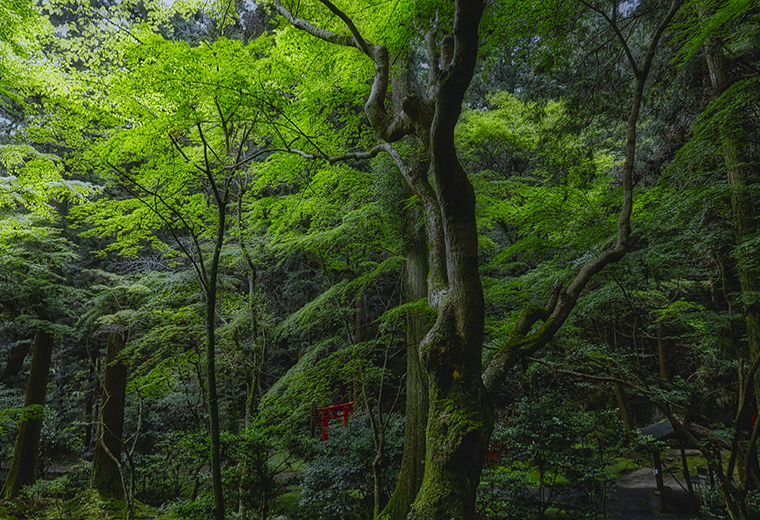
24 464
417 326
106 472
738 172
460 416
739 175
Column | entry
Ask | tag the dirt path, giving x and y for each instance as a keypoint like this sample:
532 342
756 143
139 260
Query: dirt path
636 498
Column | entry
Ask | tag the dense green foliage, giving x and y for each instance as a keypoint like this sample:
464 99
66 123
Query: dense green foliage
157 158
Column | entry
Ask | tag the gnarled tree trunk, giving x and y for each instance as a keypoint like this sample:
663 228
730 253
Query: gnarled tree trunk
460 418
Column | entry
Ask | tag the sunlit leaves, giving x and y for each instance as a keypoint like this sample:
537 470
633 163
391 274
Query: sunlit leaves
550 189
34 181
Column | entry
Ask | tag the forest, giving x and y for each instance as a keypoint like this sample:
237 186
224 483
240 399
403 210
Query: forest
378 259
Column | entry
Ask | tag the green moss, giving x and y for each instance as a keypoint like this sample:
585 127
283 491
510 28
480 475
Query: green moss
89 505
622 465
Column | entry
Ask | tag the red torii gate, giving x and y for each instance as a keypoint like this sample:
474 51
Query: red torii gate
325 415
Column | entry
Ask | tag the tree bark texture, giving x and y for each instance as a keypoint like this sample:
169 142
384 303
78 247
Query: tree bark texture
24 464
663 349
106 470
460 417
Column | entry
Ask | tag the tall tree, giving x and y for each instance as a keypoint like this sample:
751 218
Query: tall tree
24 465
460 416
107 475
716 36
193 142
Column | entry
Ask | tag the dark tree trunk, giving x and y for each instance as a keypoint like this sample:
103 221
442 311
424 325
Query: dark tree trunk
88 405
460 417
620 396
24 464
106 464
745 219
213 400
16 357
738 174
417 326
663 348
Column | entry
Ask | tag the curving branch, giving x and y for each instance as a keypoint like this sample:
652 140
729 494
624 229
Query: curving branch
360 42
519 345
323 34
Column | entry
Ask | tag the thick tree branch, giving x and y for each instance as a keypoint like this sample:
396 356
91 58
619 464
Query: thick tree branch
517 346
332 159
323 34
416 176
361 43
389 128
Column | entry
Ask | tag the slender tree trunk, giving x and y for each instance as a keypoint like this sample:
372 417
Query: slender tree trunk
412 462
24 464
106 471
623 405
213 403
620 396
663 347
88 404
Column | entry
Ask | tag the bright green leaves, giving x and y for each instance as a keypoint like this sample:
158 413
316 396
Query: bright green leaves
324 86
35 180
16 15
186 113
20 29
32 270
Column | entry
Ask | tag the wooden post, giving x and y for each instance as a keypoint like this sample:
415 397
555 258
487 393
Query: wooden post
660 482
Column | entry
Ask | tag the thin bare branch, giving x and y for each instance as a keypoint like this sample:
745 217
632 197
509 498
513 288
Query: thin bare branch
198 266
